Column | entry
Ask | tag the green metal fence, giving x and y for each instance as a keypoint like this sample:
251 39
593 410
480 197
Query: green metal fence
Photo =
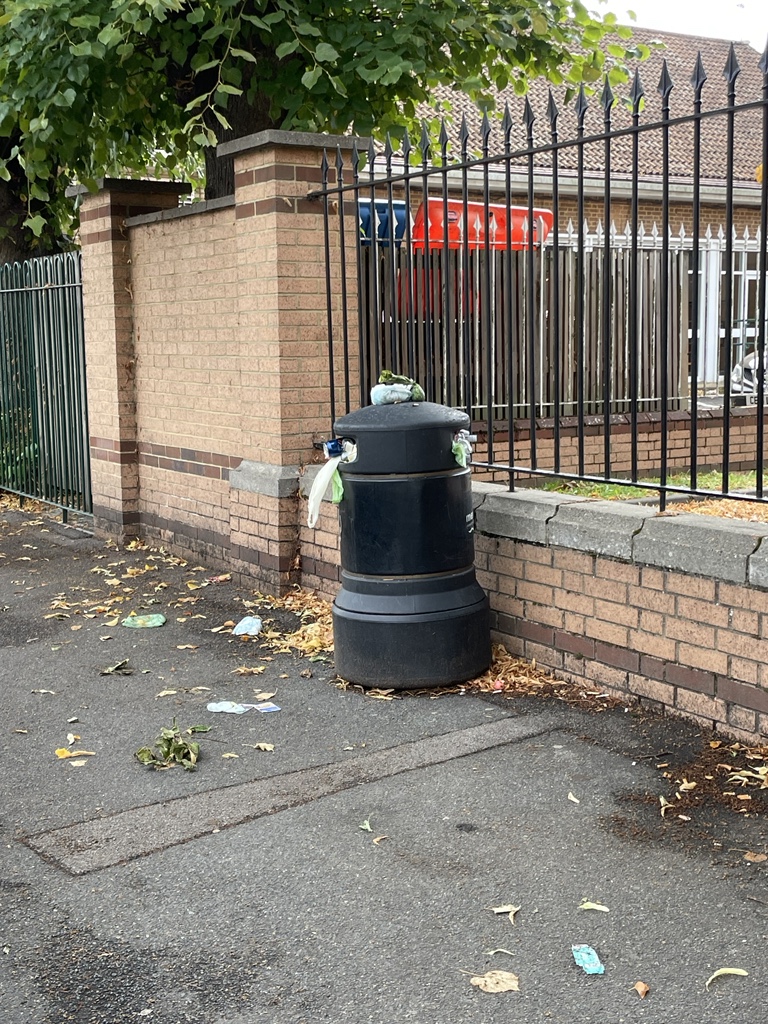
43 411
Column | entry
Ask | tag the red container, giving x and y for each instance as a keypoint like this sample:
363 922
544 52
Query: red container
497 225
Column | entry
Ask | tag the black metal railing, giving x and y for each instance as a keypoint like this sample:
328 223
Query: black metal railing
500 281
44 450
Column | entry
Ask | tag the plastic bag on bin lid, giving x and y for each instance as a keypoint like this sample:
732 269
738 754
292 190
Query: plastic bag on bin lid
394 388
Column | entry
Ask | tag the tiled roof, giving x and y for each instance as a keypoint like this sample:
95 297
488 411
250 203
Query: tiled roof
680 53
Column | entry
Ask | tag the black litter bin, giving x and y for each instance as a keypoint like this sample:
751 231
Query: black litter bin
410 612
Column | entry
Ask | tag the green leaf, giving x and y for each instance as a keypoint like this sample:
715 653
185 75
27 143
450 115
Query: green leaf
243 55
231 90
291 46
310 78
110 36
35 224
326 52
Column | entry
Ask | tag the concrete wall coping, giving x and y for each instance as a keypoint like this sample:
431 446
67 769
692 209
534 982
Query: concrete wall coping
265 478
275 137
723 549
188 210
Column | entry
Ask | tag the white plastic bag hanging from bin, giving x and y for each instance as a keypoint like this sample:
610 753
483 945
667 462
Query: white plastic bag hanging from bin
329 474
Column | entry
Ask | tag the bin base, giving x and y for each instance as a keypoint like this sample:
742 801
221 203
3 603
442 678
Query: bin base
412 651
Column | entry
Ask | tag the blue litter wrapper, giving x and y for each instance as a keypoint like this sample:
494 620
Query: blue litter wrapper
587 959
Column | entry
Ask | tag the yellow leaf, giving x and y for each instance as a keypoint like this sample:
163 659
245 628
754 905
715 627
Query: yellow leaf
63 753
593 906
496 981
192 585
112 622
726 970
264 695
230 755
641 988
755 858
507 908
259 746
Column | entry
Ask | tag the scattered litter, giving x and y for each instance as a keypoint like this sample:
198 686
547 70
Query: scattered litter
71 737
264 695
379 839
366 826
493 952
121 668
186 647
71 721
52 692
230 707
496 981
573 799
507 908
229 755
753 858
78 763
665 805
586 905
641 988
726 970
166 693
144 621
249 626
22 732
265 708
587 959
246 670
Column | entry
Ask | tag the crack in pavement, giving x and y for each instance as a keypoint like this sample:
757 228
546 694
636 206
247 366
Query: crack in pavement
100 843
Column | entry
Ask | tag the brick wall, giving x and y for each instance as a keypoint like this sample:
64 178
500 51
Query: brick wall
709 447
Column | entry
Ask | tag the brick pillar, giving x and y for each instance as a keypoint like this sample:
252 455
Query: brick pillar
283 327
107 303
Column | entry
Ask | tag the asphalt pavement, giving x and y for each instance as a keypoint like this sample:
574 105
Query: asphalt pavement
348 874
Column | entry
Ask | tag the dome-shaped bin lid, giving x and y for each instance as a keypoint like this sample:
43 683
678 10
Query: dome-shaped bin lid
410 437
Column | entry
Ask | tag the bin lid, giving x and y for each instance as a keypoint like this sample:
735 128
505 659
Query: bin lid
409 437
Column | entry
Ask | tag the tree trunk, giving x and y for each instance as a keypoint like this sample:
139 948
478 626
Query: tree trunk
245 119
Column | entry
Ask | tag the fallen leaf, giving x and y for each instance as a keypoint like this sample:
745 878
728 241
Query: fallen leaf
121 668
573 799
715 744
166 693
753 858
507 908
75 628
230 755
200 689
186 647
379 839
586 905
264 695
641 988
726 970
79 762
493 952
378 694
63 753
366 826
496 981
260 746
246 670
